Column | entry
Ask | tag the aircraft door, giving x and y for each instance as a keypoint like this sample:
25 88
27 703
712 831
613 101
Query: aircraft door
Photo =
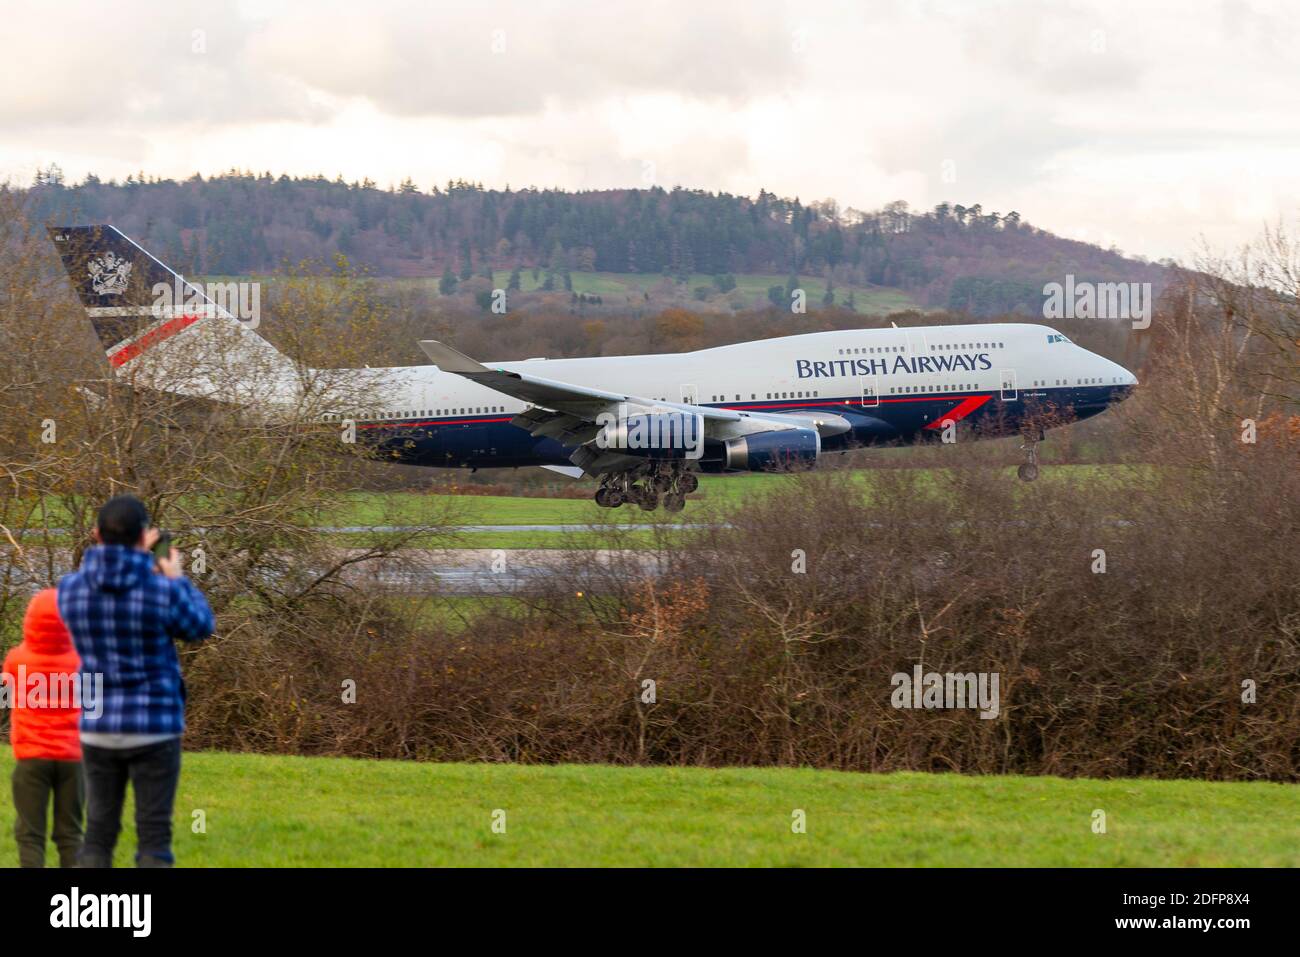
870 391
690 395
1008 384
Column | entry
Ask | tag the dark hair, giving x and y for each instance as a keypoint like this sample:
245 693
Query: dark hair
122 520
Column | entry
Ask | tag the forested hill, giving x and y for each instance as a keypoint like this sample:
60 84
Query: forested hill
953 256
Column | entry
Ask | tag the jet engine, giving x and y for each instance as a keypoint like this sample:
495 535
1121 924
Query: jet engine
774 451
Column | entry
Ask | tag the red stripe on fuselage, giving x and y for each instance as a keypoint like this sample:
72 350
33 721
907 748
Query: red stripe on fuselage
960 411
830 405
967 405
151 339
415 425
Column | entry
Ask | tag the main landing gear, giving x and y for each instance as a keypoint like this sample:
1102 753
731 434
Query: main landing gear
648 486
1028 470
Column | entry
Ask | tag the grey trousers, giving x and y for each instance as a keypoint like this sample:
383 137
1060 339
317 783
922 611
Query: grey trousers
35 780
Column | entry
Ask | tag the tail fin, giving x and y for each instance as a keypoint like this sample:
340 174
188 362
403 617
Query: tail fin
139 307
115 280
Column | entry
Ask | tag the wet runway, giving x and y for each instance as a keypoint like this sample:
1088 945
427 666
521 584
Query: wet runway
492 571
597 527
415 571
392 529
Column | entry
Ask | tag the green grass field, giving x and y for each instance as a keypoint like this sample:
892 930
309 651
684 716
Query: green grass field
630 290
752 289
415 507
371 509
327 812
618 289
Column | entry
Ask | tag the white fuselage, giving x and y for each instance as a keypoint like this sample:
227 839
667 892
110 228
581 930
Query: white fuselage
768 372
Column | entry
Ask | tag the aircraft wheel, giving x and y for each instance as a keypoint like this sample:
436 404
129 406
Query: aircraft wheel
1027 472
688 483
614 498
649 501
674 502
602 497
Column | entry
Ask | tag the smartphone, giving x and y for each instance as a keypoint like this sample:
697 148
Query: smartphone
163 547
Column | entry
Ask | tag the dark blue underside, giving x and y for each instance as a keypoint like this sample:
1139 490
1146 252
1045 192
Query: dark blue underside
490 441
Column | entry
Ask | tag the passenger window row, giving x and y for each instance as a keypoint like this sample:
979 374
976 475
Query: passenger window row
936 347
947 387
414 414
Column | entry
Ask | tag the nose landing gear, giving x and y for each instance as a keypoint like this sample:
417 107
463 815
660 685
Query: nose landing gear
1028 470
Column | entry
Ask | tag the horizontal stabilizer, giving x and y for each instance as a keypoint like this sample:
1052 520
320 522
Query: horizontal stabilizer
571 471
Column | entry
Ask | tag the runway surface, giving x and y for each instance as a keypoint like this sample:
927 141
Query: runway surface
413 571
594 527
492 571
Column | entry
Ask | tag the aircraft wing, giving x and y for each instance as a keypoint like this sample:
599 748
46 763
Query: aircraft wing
580 400
567 412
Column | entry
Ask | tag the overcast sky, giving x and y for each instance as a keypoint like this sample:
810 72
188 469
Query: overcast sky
1143 124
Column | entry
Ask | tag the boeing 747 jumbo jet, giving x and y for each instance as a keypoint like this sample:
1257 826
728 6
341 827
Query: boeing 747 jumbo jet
643 425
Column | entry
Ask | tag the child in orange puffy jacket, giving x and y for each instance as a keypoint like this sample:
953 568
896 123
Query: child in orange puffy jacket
40 672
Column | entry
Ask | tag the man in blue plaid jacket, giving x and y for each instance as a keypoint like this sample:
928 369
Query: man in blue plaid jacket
124 608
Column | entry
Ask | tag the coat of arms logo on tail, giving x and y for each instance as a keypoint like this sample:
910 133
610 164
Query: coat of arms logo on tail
109 274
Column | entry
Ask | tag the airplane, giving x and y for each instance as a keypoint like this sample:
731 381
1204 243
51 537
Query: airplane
643 426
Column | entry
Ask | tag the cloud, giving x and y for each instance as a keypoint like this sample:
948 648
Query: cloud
498 59
1145 123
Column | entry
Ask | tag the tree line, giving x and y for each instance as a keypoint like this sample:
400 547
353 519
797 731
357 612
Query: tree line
243 222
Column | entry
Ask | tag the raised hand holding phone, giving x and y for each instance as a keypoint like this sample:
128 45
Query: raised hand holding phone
166 556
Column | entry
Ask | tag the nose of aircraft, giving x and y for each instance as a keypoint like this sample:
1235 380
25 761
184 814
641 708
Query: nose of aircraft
1122 378
1114 384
